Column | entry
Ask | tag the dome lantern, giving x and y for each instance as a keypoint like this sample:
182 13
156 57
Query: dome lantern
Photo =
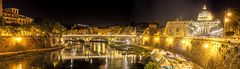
204 7
204 15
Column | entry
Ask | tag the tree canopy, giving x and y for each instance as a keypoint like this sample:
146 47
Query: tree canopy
48 27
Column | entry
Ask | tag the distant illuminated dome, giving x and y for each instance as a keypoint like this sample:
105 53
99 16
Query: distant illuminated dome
204 15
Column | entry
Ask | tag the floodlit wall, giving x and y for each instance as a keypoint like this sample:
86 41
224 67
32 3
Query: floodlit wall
208 54
15 44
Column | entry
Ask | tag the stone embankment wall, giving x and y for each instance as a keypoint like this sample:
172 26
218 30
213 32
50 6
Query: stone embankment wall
14 44
34 62
205 53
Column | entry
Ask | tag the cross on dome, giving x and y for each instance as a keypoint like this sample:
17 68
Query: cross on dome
204 7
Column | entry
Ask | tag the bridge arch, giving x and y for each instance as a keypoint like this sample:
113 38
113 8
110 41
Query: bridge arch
99 39
74 41
126 40
131 39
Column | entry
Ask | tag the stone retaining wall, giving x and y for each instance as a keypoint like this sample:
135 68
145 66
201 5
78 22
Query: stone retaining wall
10 44
207 54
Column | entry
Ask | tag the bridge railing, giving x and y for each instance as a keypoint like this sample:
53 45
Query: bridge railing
98 35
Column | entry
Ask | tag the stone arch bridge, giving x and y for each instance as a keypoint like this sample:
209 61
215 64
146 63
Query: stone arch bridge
129 39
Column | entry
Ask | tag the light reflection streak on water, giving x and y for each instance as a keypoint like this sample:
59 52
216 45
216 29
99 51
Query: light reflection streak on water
125 63
20 65
110 55
56 59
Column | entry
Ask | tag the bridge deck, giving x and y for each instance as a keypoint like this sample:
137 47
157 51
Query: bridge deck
83 57
98 35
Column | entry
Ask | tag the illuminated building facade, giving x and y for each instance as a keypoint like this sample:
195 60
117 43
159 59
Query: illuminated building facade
152 29
205 24
178 28
11 15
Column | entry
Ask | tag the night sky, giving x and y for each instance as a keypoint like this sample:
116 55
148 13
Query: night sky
118 11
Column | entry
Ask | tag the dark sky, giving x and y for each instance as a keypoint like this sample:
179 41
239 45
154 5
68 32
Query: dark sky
117 11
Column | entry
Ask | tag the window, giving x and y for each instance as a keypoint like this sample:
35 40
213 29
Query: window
177 30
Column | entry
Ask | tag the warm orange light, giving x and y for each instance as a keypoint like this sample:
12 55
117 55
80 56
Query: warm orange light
210 17
145 38
156 39
215 48
206 45
18 39
229 14
226 20
186 42
170 40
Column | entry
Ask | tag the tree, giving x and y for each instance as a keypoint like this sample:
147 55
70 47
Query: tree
12 29
151 65
48 28
44 25
58 28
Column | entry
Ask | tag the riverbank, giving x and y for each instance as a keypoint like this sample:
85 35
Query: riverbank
176 60
9 54
209 54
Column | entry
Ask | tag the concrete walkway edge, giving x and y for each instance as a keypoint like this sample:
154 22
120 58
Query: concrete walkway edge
34 50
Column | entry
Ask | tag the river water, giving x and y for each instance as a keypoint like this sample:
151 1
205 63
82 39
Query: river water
96 55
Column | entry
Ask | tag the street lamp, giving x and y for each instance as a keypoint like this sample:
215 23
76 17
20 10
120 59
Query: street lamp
145 39
170 40
206 45
186 42
18 39
229 14
226 20
156 39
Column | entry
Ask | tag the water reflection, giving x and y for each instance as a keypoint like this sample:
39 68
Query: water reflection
96 55
37 61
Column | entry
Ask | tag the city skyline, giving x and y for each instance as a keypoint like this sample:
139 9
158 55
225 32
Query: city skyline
118 12
120 34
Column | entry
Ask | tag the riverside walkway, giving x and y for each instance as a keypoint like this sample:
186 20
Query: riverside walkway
26 51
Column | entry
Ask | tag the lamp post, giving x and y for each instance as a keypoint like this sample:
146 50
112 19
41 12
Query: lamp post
18 40
227 20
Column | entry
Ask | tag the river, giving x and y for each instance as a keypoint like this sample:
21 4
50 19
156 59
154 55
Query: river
96 55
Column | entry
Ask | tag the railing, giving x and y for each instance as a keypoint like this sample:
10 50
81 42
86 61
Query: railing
97 35
226 40
67 57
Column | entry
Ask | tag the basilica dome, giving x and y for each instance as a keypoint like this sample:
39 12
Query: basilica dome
204 15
